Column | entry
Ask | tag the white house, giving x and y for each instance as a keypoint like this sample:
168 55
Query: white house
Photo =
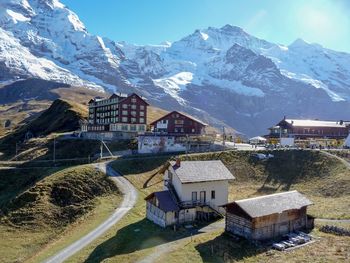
193 190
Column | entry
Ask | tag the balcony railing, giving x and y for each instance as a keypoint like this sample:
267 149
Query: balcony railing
193 203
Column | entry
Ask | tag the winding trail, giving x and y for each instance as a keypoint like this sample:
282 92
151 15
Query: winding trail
129 200
345 162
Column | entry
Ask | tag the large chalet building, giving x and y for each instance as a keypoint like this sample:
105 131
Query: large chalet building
310 129
119 113
178 123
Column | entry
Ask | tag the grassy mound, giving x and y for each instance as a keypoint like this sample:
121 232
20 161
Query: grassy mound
58 199
61 116
313 173
325 180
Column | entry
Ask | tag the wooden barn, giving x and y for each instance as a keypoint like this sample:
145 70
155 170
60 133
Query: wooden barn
268 217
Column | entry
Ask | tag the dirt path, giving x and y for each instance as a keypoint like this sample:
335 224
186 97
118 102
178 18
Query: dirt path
345 162
129 200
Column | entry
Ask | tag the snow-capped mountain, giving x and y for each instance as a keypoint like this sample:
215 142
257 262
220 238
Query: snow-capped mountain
223 75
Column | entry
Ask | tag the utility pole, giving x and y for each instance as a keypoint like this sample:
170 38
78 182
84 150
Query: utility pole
101 149
223 135
54 149
16 150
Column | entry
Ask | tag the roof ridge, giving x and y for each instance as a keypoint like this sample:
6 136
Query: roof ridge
266 196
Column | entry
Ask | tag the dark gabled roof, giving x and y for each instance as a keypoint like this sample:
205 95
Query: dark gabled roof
181 113
272 204
166 202
141 98
115 96
201 171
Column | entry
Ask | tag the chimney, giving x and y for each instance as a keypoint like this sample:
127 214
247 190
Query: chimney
178 162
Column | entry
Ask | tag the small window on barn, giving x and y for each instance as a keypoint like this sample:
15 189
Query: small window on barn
213 194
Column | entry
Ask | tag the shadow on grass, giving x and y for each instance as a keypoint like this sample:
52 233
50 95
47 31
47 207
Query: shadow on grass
134 237
224 248
138 236
139 165
13 182
290 167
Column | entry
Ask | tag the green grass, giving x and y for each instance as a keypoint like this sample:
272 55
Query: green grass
218 247
61 116
37 151
57 209
325 180
321 178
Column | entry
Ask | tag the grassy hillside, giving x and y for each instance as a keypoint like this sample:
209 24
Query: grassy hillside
323 179
61 116
39 213
23 101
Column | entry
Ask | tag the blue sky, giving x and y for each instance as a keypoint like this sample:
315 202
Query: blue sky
326 22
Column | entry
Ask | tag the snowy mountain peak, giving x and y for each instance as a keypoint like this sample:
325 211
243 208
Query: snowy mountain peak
232 29
224 72
299 43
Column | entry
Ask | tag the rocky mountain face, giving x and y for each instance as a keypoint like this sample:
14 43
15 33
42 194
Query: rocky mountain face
222 75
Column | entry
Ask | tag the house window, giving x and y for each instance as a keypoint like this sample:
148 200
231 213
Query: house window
194 196
203 198
142 120
142 113
133 100
124 127
132 127
133 107
142 107
124 119
133 120
125 106
142 128
125 112
133 113
213 194
180 122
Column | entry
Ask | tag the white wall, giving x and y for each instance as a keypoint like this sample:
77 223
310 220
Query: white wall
287 141
220 188
158 144
177 184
